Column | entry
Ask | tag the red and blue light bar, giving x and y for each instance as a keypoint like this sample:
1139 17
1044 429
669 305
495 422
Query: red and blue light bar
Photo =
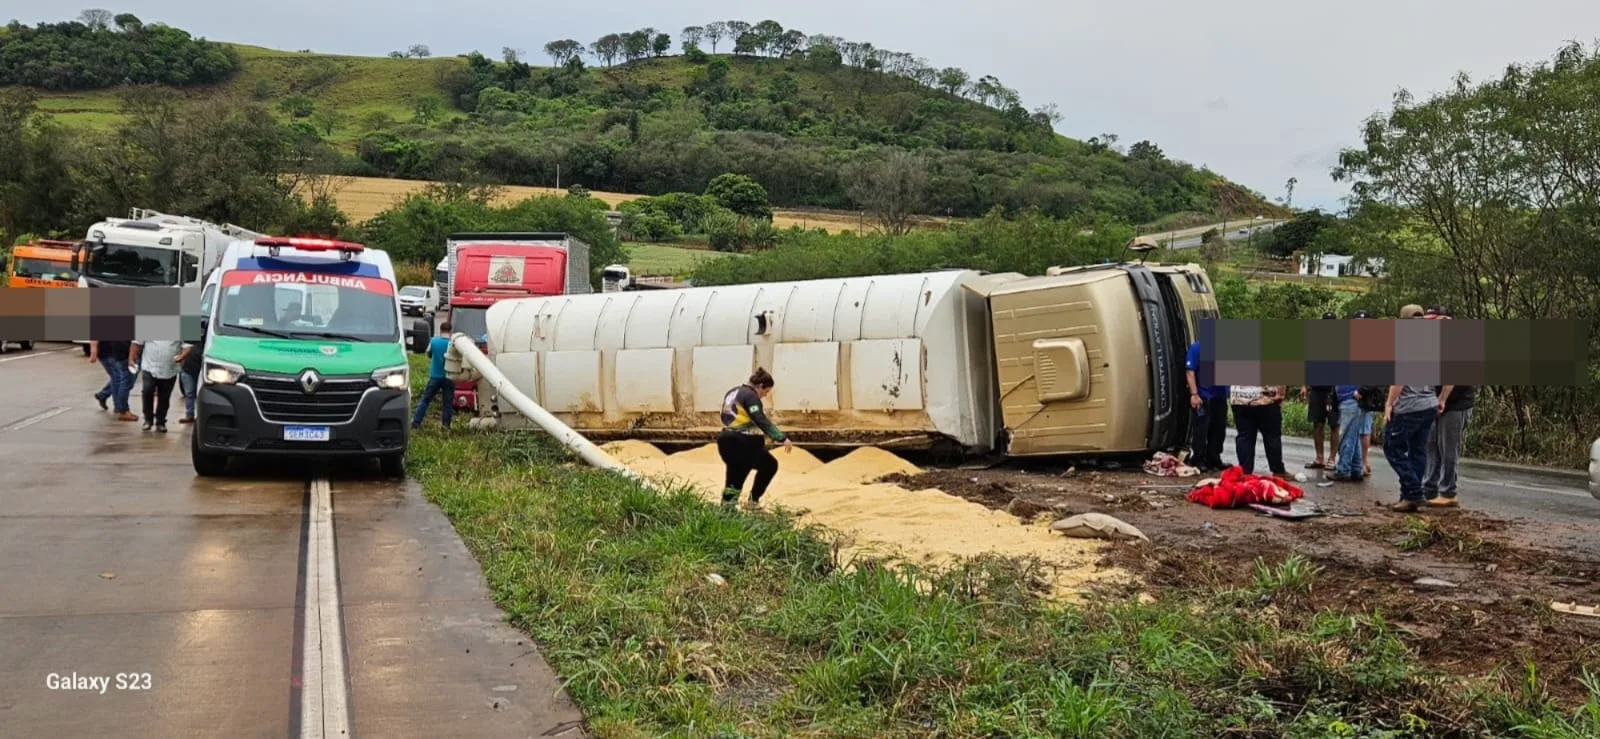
346 249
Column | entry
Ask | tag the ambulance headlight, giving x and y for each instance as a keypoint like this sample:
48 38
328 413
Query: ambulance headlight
393 378
222 373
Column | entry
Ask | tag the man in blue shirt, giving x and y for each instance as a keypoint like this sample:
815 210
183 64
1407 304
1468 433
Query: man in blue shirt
438 381
1208 417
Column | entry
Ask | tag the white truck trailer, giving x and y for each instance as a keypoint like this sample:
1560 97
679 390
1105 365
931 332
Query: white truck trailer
1079 361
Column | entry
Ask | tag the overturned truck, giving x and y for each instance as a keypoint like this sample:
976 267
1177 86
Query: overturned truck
1082 360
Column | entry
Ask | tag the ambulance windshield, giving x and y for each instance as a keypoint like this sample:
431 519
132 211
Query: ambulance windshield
307 306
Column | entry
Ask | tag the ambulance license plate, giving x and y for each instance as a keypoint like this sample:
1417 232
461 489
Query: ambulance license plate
306 433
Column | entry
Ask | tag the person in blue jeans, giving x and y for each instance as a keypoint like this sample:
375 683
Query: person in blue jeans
112 356
438 381
1355 425
1407 423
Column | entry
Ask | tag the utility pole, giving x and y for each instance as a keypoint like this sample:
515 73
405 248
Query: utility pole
558 176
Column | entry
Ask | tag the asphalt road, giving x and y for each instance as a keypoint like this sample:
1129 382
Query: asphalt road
236 606
1189 240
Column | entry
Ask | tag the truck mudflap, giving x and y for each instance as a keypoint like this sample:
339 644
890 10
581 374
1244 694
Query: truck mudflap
1168 424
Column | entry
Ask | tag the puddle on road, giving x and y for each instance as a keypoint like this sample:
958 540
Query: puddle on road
923 526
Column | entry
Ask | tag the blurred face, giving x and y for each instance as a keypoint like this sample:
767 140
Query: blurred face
763 391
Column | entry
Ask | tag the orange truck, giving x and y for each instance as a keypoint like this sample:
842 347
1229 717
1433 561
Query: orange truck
42 263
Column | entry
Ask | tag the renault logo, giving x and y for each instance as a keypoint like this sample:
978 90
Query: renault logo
309 380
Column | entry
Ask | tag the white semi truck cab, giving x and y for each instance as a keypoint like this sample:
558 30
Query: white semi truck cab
151 249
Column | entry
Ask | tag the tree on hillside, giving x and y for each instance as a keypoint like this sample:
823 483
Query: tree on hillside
691 36
128 23
97 19
636 44
715 31
397 55
509 55
742 195
894 190
767 33
822 52
953 80
562 51
791 42
1146 151
419 51
1288 192
735 29
747 43
661 44
607 48
1298 234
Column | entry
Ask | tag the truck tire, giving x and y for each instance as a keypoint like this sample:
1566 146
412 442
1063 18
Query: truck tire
393 465
27 346
206 464
85 350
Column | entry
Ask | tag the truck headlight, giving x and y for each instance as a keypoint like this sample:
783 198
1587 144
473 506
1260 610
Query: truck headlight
222 373
393 378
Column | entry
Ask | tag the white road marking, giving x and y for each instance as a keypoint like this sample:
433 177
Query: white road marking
324 708
37 354
18 425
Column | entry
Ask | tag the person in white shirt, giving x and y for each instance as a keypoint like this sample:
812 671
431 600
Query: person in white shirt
158 363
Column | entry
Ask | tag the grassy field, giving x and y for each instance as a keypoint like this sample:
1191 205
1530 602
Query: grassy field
613 582
355 86
661 259
364 197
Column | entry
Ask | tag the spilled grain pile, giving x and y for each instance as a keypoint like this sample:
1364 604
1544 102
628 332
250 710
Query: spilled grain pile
880 519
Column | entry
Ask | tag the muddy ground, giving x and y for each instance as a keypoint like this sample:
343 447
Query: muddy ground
1497 615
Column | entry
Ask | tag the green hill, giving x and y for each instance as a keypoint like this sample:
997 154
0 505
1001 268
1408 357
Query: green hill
809 127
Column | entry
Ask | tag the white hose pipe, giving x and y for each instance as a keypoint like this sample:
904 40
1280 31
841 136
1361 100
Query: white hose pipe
585 449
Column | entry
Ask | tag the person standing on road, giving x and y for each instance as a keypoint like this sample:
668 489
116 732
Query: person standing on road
438 381
158 362
1355 427
1444 444
1208 417
1322 409
1407 422
112 356
1444 441
1258 409
741 444
189 378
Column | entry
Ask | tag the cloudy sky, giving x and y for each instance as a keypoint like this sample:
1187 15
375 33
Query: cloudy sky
1258 90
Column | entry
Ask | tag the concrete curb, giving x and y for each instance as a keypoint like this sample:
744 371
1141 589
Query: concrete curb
1579 477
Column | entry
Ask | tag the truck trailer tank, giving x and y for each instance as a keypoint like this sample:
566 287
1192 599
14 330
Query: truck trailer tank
1057 364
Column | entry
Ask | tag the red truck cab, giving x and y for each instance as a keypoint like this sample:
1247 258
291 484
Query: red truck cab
487 273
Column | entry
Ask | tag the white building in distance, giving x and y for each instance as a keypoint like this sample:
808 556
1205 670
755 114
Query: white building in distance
1338 265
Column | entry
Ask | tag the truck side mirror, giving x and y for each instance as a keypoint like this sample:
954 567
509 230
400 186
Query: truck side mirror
417 337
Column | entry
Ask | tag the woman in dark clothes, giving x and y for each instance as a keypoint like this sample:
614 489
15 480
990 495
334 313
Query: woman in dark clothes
741 444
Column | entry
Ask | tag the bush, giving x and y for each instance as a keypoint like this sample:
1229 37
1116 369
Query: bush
742 195
653 227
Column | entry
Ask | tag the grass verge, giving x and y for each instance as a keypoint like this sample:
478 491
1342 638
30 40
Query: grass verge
612 581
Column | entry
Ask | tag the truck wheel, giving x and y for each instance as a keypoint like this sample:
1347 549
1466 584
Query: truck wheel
206 464
2 346
393 465
85 350
27 346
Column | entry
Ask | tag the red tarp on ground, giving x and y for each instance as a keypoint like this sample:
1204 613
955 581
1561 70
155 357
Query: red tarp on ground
1236 489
